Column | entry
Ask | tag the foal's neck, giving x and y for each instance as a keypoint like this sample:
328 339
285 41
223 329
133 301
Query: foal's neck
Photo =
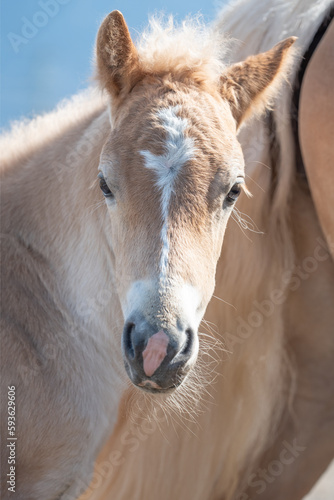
59 211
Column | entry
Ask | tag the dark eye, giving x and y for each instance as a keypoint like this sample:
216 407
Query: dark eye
234 193
104 186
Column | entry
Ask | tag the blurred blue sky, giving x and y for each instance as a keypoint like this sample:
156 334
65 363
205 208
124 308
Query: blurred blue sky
47 46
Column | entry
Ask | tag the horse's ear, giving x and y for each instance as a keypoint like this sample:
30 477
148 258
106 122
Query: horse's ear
250 86
117 58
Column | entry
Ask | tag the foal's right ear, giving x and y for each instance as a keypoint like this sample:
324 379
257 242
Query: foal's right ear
117 58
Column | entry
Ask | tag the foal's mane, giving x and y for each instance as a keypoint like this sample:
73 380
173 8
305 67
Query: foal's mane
191 47
259 25
27 136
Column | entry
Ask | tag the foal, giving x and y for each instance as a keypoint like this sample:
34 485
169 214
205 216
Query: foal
170 170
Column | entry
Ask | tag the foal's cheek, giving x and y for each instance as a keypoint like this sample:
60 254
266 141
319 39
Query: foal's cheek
118 257
216 240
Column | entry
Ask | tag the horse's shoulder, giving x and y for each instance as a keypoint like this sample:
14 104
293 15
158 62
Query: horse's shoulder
316 131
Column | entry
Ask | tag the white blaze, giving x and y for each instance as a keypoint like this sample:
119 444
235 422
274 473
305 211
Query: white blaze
178 150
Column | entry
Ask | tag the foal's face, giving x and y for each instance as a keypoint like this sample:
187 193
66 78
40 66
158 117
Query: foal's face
171 172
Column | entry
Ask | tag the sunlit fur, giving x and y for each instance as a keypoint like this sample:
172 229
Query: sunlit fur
192 48
223 416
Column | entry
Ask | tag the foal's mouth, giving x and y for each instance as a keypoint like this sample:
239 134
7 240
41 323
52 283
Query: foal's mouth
153 388
159 385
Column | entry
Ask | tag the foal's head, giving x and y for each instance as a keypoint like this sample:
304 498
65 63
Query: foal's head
171 172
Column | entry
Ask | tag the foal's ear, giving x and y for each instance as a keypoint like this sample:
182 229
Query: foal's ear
250 86
117 58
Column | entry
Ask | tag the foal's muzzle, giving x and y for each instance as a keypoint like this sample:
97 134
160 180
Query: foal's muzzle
157 359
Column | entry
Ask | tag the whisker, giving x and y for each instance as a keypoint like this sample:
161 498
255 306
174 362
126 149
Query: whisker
205 335
261 163
211 330
246 221
225 302
256 183
233 215
95 206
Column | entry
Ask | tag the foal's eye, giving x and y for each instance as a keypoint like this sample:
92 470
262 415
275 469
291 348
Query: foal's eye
234 193
104 186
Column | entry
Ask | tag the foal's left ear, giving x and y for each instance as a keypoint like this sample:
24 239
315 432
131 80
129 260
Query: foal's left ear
117 58
250 86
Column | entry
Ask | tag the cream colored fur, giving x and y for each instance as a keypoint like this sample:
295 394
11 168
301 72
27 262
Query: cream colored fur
65 246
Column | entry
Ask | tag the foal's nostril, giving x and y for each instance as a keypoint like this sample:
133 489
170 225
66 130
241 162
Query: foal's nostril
127 340
188 343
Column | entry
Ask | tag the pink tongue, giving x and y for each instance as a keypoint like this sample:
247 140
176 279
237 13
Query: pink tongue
155 352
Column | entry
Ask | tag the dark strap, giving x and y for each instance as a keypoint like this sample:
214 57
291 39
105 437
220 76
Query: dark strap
298 83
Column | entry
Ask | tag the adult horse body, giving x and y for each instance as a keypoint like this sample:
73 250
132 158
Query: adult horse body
76 270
